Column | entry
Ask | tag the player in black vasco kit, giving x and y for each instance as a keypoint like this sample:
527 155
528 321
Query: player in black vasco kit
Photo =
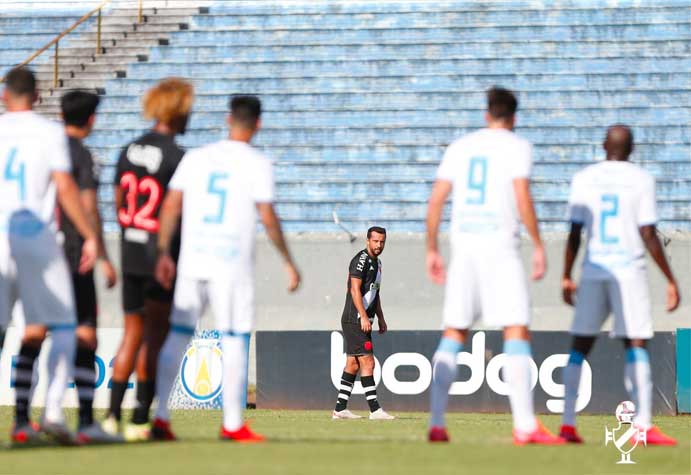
143 171
362 304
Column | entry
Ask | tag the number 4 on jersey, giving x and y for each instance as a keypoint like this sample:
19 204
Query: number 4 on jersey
16 172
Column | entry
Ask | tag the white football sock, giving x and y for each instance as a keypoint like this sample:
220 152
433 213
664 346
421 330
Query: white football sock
169 360
60 368
639 384
517 377
443 375
234 379
572 380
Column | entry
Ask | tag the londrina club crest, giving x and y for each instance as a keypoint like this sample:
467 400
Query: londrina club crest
201 372
626 435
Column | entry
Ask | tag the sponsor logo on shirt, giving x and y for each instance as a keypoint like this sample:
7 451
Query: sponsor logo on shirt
145 156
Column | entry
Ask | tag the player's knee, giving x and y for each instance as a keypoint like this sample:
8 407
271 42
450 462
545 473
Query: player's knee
634 343
582 344
366 363
34 335
86 337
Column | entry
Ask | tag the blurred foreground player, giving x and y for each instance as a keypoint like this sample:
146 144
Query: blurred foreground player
615 202
219 189
488 172
143 171
34 168
79 115
363 303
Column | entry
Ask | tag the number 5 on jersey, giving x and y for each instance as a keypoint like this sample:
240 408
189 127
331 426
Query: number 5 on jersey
216 188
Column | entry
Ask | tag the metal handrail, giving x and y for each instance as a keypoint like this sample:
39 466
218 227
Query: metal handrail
55 41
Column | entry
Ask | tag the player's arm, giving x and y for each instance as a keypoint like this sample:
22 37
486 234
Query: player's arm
89 199
168 218
267 214
356 295
383 327
435 207
69 200
526 210
656 250
573 243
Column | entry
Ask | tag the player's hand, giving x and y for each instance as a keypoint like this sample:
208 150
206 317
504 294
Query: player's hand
109 273
673 297
89 255
383 327
293 277
568 289
539 263
165 271
365 324
435 267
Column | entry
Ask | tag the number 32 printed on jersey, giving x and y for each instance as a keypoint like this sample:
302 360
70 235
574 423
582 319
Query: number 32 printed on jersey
143 217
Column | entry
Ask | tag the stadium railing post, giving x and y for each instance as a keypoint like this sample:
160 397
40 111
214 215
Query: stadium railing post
98 33
55 64
141 11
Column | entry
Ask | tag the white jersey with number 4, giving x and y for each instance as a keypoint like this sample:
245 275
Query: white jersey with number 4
481 167
612 200
485 277
33 268
221 184
31 149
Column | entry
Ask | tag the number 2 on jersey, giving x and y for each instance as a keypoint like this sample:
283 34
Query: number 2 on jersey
142 218
612 211
215 188
477 181
16 172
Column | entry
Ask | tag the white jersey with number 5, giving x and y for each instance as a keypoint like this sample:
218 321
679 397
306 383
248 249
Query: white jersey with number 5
612 200
221 184
482 166
31 149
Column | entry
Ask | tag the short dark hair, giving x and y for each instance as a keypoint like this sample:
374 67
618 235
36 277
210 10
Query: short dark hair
245 110
77 106
21 81
501 103
375 229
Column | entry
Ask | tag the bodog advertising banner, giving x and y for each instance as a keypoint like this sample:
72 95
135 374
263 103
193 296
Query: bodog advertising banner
302 370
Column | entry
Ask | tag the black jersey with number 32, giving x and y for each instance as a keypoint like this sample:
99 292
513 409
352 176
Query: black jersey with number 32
144 169
368 270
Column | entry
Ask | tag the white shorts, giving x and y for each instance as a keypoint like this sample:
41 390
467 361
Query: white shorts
33 269
627 298
232 304
491 285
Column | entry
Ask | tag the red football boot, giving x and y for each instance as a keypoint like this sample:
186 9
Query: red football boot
160 430
438 434
654 436
242 435
569 434
540 436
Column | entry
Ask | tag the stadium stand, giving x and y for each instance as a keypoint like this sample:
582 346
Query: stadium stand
362 97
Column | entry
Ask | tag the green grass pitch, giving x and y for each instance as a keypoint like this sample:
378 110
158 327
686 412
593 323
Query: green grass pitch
309 442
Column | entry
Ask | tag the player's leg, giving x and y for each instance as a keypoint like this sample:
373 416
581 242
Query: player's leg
123 365
633 322
24 374
233 308
580 348
190 300
88 431
156 325
346 388
461 307
45 289
592 308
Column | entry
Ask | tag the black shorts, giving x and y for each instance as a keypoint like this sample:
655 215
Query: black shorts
85 298
356 342
136 289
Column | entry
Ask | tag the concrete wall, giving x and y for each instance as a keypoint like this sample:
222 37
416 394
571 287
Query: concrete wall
410 301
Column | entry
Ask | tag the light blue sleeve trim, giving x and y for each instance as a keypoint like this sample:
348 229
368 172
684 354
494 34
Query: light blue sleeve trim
447 345
517 347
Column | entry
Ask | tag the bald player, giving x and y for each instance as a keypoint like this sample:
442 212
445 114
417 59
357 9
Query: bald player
614 201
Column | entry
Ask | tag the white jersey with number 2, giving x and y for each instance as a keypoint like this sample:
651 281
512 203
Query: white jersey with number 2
612 200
